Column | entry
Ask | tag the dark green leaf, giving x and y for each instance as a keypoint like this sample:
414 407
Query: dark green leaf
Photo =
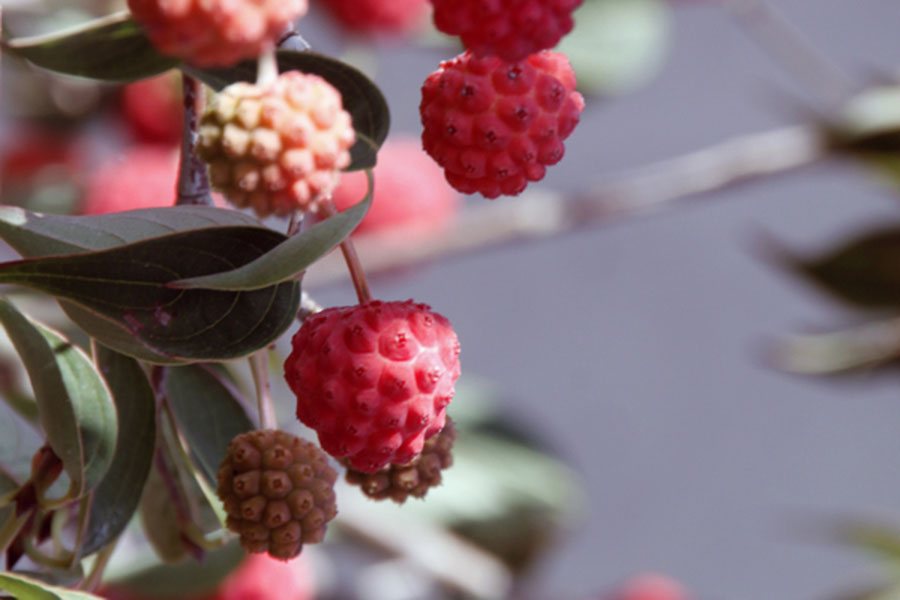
864 272
160 520
110 49
26 588
362 98
289 257
116 497
34 235
76 410
128 286
208 414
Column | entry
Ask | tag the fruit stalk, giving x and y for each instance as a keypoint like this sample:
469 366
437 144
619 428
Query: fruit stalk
360 284
264 405
193 182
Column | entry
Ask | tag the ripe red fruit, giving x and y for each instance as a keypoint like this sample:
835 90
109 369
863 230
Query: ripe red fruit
374 380
210 34
276 148
493 125
410 191
510 29
139 177
651 586
260 577
378 16
152 108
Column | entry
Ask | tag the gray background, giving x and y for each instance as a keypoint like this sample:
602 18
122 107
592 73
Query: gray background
637 348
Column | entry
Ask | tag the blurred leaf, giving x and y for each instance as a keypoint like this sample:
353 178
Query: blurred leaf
289 257
160 520
851 350
128 286
361 97
27 588
864 272
882 541
617 45
111 49
117 496
76 410
35 235
208 414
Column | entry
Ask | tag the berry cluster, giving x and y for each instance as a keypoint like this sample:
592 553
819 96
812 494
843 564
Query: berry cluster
496 116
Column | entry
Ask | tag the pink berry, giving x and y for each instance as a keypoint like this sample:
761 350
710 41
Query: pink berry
260 577
651 586
378 16
152 108
374 380
410 191
215 33
510 29
139 177
494 125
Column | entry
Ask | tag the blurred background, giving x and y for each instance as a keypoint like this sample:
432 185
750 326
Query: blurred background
639 355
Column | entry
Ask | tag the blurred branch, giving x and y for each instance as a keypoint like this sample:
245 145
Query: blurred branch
791 49
543 213
193 182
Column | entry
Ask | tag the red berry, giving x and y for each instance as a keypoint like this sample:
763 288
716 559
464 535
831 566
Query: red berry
410 191
510 29
277 148
493 125
152 108
139 177
374 380
260 577
214 33
651 586
379 16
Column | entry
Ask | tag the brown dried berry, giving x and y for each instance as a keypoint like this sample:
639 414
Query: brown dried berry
415 478
278 492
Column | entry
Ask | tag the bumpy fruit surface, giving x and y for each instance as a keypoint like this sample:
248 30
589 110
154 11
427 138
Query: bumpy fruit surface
510 29
494 126
415 478
140 177
278 148
379 16
210 34
278 492
410 192
374 380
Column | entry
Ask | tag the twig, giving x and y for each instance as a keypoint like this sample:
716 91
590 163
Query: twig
260 369
193 181
542 213
791 49
351 258
95 576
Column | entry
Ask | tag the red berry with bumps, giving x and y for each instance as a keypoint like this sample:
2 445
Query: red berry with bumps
379 16
277 148
374 380
510 29
210 34
410 192
494 125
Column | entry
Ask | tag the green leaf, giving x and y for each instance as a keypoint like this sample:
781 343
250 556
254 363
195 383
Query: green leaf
864 272
117 495
110 49
858 349
26 588
34 235
290 257
76 410
160 520
129 287
208 413
362 98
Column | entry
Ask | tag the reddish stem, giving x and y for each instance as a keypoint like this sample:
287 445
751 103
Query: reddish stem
327 209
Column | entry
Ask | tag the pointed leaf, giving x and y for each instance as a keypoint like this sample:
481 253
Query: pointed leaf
128 286
34 235
111 49
27 588
117 495
290 257
208 414
864 272
362 98
76 409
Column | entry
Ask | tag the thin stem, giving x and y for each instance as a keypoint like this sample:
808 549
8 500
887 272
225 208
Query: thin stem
360 284
541 213
260 369
267 68
95 576
193 181
789 47
11 529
